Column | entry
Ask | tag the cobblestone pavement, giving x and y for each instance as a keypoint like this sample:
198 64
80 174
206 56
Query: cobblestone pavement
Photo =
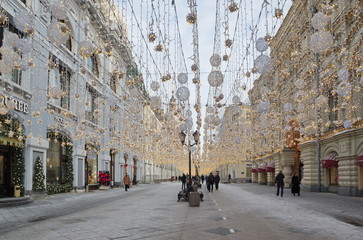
151 211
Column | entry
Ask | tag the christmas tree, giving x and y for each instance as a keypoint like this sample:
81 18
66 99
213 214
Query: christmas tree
38 176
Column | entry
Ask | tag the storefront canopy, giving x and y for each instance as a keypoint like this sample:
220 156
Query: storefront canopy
330 160
359 161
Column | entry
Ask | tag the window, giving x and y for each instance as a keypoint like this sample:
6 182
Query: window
90 104
113 84
60 78
68 44
91 165
92 65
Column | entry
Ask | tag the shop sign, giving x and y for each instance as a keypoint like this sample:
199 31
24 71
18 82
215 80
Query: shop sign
20 105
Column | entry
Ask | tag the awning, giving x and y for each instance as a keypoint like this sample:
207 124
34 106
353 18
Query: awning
270 169
330 160
254 169
261 168
359 161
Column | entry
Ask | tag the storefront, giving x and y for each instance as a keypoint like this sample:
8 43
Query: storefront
91 167
11 156
330 166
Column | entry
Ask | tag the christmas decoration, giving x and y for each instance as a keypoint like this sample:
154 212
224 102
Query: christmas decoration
38 176
104 178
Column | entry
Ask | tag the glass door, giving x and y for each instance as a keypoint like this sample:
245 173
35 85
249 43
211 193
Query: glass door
4 176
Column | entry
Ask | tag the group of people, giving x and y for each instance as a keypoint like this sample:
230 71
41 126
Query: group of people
211 181
295 184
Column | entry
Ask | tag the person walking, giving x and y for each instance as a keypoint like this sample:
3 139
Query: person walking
279 179
295 184
127 181
229 177
216 180
183 180
202 177
210 182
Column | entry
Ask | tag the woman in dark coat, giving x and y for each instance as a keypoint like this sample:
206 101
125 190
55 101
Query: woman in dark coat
295 185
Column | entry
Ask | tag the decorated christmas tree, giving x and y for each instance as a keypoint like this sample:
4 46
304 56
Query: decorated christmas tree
38 176
18 169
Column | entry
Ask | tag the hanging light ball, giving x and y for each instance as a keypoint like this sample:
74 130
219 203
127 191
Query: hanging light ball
287 107
268 37
343 75
215 78
210 109
228 43
3 110
261 44
248 74
344 89
58 32
236 99
216 121
225 57
254 70
278 13
262 64
155 86
182 78
191 18
3 18
183 93
347 124
188 113
85 48
244 87
321 101
321 41
59 10
159 48
264 107
183 127
319 20
55 92
215 60
23 45
24 21
152 37
233 7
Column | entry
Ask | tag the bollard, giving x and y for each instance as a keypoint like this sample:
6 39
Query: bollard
16 191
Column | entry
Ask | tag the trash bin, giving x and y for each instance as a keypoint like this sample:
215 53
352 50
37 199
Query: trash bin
194 199
16 191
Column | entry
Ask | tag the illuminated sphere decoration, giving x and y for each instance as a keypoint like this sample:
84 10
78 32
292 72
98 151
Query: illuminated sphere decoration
155 86
3 18
182 78
59 10
183 127
261 44
188 113
210 109
344 89
236 100
58 33
5 68
321 41
216 121
55 92
264 107
191 18
347 124
319 20
215 60
343 75
287 107
215 78
262 64
183 93
85 48
24 21
23 45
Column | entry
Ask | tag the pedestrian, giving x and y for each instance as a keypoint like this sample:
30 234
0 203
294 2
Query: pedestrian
202 177
229 177
127 181
210 182
295 184
134 180
279 179
183 180
216 180
179 178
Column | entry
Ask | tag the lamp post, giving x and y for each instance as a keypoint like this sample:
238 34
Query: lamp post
182 137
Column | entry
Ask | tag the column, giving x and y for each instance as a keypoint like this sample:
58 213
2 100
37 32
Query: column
348 176
309 181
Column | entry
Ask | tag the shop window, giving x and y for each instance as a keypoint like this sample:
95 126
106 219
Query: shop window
92 65
333 176
56 162
92 167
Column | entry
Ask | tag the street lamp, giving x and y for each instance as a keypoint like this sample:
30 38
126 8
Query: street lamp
182 137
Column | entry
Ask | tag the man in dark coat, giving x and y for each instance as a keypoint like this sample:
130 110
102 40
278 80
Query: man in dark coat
183 180
202 178
216 180
210 182
295 184
279 179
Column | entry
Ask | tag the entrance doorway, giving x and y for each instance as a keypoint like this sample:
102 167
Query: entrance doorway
5 175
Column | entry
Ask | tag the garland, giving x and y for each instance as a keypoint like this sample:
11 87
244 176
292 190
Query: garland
53 188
